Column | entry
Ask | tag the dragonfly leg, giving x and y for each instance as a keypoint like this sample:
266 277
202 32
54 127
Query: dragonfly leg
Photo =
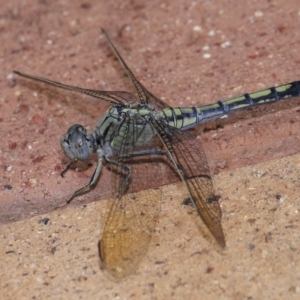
94 178
125 168
160 152
147 152
154 152
62 174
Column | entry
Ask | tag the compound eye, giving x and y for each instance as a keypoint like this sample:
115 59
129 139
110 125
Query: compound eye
74 143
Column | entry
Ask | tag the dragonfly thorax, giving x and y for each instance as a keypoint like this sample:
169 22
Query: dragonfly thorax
126 126
77 144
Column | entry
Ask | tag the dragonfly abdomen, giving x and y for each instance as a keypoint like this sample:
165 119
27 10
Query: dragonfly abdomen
269 95
186 117
180 117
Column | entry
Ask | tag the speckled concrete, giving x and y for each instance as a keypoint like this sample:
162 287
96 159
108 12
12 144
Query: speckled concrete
261 220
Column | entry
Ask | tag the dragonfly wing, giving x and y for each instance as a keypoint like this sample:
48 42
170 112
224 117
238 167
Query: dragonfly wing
127 231
131 213
190 161
121 96
112 97
145 97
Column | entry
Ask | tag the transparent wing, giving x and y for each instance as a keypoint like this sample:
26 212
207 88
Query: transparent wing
145 97
127 231
112 97
132 211
190 161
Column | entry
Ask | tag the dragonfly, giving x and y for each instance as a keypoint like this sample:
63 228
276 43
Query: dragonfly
138 134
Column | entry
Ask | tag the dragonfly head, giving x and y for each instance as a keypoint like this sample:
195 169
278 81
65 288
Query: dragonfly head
76 144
